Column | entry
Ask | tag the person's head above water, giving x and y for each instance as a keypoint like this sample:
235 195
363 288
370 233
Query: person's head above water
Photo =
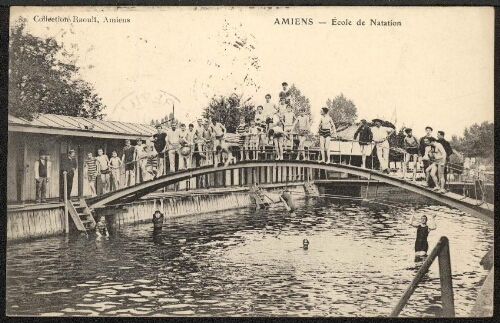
305 243
423 219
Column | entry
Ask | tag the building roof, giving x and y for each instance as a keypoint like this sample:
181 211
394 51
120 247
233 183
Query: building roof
78 126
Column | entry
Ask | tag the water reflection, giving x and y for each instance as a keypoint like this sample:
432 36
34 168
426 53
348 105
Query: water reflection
249 262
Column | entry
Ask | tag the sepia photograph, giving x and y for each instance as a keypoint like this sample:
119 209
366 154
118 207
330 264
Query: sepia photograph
250 162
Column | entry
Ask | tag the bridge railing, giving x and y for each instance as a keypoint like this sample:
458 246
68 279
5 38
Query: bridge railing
442 252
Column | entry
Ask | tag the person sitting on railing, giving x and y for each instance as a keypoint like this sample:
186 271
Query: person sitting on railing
278 134
254 137
288 122
365 140
325 130
240 130
303 128
423 229
411 145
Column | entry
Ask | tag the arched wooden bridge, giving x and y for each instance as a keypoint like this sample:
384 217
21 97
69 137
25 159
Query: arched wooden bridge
483 211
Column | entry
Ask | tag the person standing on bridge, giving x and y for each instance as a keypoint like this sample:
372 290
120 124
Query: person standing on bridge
42 175
115 164
160 144
173 141
365 139
380 136
103 171
219 132
439 160
325 131
69 165
411 146
424 152
423 229
140 161
303 128
90 172
448 149
128 159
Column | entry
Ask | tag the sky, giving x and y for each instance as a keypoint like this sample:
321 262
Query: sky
435 69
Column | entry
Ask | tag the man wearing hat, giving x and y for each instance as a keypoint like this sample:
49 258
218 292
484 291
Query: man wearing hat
285 94
365 139
42 174
424 152
69 165
380 136
411 145
160 144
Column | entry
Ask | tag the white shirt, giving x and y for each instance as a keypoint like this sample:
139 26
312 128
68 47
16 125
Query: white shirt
380 134
173 137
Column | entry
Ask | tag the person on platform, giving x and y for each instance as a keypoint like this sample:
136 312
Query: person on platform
225 148
103 170
325 130
101 228
160 144
278 135
424 153
191 138
70 166
219 133
303 128
254 139
115 164
436 169
140 161
449 151
42 175
151 166
423 229
411 145
200 142
288 122
184 149
208 137
380 137
173 143
365 140
240 130
268 106
90 172
285 94
281 107
128 160
260 123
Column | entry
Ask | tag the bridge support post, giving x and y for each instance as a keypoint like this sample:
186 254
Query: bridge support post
278 175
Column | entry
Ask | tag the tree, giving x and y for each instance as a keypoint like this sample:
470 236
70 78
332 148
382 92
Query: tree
227 110
297 100
342 110
477 141
43 79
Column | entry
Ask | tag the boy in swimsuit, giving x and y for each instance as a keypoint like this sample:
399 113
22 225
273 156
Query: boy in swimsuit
114 164
325 130
288 122
277 134
437 166
254 140
303 129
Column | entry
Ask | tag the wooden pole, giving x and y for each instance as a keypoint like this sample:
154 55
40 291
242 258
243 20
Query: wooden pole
446 280
66 215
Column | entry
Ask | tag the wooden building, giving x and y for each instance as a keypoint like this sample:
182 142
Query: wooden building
57 134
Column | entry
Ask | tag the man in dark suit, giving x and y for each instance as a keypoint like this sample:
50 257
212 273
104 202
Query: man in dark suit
68 164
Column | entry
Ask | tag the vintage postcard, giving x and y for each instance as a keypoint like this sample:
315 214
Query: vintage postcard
250 161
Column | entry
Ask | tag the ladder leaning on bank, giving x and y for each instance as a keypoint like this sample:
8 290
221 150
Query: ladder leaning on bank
81 215
258 196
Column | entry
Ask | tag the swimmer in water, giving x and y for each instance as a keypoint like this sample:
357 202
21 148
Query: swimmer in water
286 198
423 229
305 244
158 220
101 229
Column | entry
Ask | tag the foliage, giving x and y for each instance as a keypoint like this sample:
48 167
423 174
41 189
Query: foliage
477 141
227 110
342 110
297 100
43 79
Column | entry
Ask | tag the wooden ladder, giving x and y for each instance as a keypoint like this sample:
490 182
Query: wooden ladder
259 198
81 215
311 189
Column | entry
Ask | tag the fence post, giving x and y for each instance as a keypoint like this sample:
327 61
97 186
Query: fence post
446 280
66 215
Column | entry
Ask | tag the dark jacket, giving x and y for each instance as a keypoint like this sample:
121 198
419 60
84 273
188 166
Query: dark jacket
365 134
68 165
